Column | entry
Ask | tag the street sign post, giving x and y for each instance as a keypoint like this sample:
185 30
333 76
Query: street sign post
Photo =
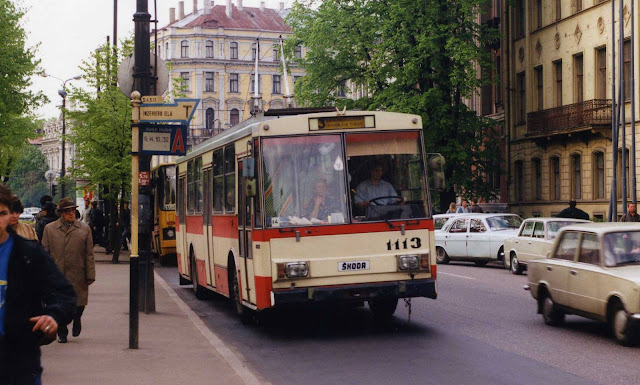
181 111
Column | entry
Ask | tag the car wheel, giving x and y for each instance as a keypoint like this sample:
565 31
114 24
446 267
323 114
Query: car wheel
383 308
441 256
550 313
199 291
621 327
480 263
516 267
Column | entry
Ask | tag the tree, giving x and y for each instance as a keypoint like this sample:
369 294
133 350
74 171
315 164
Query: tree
414 57
27 178
17 65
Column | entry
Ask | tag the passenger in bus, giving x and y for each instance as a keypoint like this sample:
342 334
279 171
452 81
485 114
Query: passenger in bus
321 204
375 187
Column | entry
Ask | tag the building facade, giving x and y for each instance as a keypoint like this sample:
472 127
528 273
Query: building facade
51 146
557 71
211 55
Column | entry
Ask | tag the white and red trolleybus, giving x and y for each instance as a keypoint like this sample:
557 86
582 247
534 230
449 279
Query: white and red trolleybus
308 208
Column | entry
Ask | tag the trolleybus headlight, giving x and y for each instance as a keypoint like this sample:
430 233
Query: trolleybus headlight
409 262
293 270
169 233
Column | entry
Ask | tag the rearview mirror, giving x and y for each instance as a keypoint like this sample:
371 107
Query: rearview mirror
436 164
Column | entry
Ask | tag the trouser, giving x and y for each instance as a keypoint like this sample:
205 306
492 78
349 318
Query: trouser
19 367
63 330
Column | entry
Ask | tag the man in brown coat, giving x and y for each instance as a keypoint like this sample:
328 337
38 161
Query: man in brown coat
70 244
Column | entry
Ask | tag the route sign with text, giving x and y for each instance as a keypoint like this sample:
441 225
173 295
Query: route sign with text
181 111
163 139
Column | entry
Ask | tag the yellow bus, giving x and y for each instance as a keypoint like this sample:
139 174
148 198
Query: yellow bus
328 206
164 213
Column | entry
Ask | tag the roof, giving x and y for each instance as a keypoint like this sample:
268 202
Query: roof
249 18
604 227
556 219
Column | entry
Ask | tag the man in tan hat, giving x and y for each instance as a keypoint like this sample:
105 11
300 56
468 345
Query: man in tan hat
70 244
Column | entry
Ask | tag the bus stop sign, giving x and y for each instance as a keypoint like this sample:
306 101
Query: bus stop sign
163 139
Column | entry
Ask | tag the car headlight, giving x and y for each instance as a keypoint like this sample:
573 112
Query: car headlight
409 262
293 270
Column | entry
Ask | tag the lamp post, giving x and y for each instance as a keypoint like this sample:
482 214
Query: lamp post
63 93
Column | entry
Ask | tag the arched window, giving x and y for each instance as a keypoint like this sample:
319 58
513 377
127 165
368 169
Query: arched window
598 175
209 118
554 166
519 181
234 116
233 50
537 178
576 176
166 50
184 48
208 45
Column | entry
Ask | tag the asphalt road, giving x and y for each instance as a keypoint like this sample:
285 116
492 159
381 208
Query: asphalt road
482 329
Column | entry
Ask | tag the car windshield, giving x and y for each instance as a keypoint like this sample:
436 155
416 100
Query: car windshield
555 226
439 222
504 222
622 248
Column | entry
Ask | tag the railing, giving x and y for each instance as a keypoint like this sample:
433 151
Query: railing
559 119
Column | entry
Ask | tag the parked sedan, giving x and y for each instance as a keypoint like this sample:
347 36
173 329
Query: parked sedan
475 237
440 219
593 271
534 240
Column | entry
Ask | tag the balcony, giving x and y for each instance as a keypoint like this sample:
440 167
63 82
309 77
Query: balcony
590 117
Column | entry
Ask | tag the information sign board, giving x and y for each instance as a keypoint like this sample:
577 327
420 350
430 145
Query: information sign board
163 139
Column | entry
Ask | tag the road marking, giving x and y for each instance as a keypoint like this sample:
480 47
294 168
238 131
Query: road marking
456 275
232 360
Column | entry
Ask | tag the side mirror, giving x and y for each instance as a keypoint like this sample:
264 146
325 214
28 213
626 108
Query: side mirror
250 188
436 167
248 168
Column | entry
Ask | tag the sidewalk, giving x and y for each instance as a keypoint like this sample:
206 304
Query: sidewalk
175 347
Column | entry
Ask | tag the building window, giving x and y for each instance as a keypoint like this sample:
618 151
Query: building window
209 118
209 81
208 45
342 90
578 5
253 52
233 83
539 87
601 74
598 175
578 69
233 50
185 81
276 53
522 98
276 85
253 83
554 189
627 69
537 178
520 18
166 50
519 181
184 48
298 52
557 69
576 177
539 13
234 116
498 80
558 9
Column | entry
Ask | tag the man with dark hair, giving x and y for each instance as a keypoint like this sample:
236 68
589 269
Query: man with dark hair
573 212
34 299
631 215
22 229
48 215
43 201
96 223
371 191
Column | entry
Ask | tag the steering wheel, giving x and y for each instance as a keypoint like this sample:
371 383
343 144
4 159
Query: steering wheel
397 198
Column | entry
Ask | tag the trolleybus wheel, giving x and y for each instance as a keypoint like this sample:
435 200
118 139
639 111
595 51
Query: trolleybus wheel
236 296
383 308
199 291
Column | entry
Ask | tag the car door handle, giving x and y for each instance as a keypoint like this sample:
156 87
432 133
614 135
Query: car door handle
549 268
529 242
573 272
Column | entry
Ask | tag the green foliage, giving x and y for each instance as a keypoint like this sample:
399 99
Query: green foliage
27 178
17 65
101 127
408 56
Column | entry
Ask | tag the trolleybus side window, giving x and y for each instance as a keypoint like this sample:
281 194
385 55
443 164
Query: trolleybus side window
387 176
218 182
190 188
181 202
304 181
230 179
206 200
197 172
169 188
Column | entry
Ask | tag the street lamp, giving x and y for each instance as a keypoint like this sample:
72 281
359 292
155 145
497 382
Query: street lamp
63 93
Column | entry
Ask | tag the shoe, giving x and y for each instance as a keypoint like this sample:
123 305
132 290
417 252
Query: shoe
77 328
114 261
62 339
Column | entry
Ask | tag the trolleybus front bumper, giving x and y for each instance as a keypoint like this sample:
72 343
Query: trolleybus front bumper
359 292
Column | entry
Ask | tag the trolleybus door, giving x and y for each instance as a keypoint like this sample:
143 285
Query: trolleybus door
244 226
208 227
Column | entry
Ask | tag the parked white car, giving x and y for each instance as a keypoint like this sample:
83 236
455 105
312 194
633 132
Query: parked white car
534 240
475 237
592 271
440 219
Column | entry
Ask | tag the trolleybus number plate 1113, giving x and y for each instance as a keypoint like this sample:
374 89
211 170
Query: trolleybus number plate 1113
353 266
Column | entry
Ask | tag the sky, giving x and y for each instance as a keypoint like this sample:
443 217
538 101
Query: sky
69 30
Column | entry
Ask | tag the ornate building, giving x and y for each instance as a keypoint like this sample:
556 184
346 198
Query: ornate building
51 145
211 53
557 87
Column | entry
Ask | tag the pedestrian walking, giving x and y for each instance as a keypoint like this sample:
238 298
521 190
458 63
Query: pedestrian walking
125 223
22 229
452 208
97 223
631 215
49 214
71 247
43 201
34 299
86 212
573 212
464 208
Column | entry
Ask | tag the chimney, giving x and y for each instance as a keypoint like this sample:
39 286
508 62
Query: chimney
262 6
229 9
181 10
195 6
172 15
207 7
239 5
281 6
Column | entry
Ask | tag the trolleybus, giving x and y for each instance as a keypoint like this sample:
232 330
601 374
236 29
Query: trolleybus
164 213
288 209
